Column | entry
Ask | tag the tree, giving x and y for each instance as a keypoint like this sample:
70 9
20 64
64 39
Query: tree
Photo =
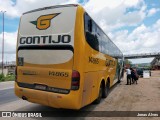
126 61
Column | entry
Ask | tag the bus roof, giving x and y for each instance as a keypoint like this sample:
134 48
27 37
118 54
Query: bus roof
51 7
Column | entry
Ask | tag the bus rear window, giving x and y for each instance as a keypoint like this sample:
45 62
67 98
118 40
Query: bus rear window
34 56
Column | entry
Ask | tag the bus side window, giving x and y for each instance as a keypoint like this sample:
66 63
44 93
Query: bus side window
91 38
90 25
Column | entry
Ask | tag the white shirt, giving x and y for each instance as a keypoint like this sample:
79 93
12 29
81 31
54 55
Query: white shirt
128 71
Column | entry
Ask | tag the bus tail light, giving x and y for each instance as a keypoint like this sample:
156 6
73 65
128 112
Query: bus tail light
75 80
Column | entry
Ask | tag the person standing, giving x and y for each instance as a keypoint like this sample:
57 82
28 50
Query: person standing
136 76
128 72
133 76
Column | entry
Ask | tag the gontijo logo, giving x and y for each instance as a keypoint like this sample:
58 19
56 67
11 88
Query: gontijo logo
44 21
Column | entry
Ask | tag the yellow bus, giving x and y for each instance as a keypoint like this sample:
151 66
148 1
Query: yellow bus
64 59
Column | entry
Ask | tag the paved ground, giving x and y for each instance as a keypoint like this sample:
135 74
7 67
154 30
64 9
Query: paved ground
144 96
6 85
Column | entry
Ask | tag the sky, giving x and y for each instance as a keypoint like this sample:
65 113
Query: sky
133 25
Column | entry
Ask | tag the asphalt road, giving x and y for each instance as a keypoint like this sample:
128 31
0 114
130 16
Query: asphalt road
143 96
7 96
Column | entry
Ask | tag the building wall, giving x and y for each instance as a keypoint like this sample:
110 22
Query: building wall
5 71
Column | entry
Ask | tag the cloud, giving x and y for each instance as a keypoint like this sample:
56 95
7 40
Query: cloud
8 5
132 3
152 11
94 6
10 40
116 14
21 6
142 39
113 14
109 15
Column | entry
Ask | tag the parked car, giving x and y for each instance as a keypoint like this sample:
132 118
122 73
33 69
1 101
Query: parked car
140 72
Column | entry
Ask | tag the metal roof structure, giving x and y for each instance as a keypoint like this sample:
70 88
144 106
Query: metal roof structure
156 61
142 55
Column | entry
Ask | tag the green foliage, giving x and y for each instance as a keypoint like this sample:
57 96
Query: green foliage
6 78
127 61
9 78
2 78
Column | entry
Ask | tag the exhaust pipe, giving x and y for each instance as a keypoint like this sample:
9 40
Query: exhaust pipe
24 98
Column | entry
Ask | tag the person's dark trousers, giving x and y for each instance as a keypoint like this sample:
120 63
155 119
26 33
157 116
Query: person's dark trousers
128 79
133 80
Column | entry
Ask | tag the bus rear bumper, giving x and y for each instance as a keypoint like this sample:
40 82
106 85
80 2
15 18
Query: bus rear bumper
55 100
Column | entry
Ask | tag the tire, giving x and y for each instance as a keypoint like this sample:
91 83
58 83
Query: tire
105 90
98 100
118 81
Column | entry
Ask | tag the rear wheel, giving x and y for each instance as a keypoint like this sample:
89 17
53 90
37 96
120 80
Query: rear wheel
98 100
105 90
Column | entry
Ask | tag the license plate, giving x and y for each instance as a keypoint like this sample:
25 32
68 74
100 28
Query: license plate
40 87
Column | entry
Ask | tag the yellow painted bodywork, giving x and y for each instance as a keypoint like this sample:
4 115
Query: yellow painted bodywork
91 74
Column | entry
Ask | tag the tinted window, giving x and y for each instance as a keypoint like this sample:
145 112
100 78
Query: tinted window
91 37
98 40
